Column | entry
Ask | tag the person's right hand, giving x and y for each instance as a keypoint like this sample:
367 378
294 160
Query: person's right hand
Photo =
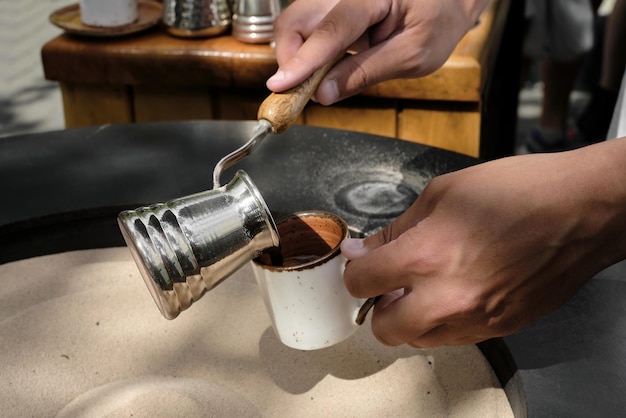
391 38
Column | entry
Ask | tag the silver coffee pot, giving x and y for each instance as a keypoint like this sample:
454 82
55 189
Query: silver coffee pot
196 18
187 246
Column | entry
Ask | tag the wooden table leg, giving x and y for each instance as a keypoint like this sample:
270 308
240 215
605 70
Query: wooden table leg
166 103
95 104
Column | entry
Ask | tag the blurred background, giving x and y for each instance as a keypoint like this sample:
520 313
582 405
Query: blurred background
29 103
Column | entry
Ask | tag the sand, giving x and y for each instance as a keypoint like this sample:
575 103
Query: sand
81 337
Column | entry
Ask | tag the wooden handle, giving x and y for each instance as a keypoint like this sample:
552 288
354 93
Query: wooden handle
282 109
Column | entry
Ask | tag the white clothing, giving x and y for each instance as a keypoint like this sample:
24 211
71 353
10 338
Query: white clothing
617 129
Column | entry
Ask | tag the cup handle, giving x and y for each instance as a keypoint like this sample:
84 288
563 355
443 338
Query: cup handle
365 308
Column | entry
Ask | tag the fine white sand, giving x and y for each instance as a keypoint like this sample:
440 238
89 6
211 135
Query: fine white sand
81 336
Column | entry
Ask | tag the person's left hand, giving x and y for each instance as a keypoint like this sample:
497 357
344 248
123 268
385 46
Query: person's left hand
485 250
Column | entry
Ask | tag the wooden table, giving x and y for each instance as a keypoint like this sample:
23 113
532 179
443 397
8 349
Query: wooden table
153 76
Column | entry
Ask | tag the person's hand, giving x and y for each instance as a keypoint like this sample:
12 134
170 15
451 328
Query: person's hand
485 250
391 38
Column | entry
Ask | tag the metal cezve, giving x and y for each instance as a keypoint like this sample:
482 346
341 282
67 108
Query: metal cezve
188 245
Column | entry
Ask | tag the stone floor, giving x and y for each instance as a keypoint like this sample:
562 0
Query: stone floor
28 102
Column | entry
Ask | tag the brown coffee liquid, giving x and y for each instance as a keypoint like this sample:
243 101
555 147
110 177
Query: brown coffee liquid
297 260
276 256
303 240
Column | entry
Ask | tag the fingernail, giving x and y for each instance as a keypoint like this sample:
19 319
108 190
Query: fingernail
327 92
277 77
353 248
354 244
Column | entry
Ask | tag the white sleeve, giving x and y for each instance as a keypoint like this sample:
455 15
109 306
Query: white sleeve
617 129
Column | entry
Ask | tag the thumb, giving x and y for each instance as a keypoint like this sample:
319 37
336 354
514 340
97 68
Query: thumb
353 248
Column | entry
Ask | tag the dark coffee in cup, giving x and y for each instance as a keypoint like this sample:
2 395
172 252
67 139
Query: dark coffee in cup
306 239
302 283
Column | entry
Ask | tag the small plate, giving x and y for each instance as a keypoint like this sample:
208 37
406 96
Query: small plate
149 13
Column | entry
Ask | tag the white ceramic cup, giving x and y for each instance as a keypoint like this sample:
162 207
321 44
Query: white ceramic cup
108 13
303 287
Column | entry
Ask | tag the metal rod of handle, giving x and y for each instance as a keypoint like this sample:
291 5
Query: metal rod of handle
260 132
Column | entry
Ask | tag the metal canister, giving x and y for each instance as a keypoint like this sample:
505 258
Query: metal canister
196 18
253 20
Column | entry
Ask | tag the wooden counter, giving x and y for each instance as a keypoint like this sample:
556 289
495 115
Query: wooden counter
153 76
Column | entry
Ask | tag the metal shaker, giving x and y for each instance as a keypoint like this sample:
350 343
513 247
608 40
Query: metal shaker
189 245
253 20
196 18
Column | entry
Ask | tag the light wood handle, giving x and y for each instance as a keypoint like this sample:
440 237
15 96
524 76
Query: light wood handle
282 109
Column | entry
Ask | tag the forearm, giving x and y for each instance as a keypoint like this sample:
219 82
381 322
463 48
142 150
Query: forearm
600 170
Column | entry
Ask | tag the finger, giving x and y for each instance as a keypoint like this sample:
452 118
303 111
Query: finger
292 27
419 318
384 269
390 253
353 248
407 220
378 63
446 335
396 320
339 29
